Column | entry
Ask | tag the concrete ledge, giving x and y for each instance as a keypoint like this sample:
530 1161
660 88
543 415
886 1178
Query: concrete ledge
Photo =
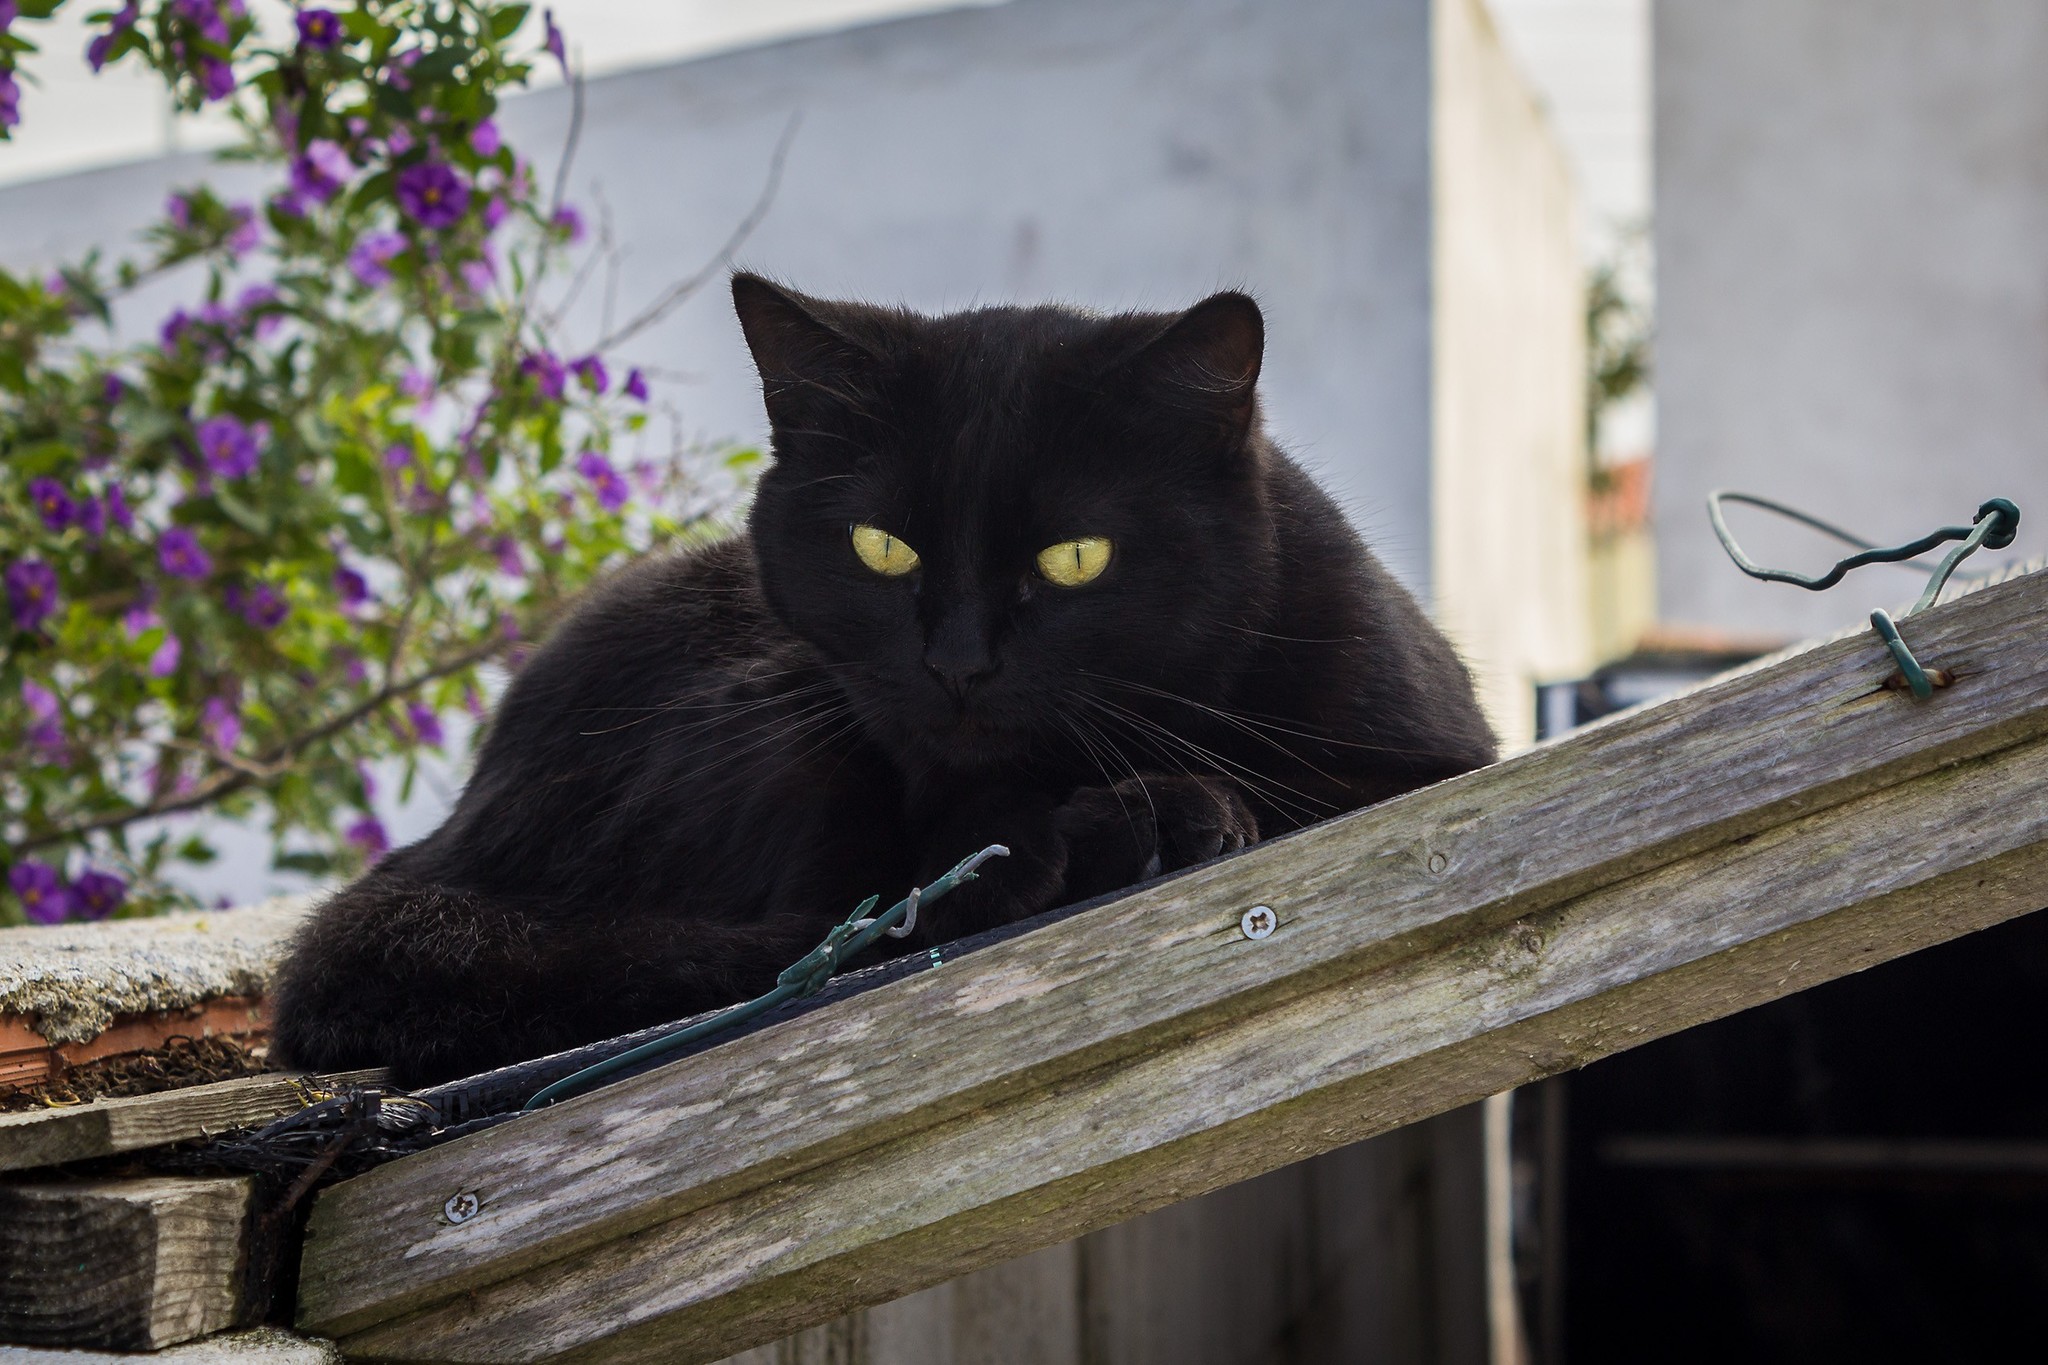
264 1345
68 982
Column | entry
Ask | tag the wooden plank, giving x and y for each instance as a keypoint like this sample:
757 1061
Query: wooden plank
1373 1252
1734 927
48 1137
1139 992
122 1264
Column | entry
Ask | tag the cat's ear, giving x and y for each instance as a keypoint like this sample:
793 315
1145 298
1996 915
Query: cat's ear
805 361
1206 363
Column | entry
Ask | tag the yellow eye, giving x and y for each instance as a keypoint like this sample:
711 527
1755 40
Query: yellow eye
882 552
1074 562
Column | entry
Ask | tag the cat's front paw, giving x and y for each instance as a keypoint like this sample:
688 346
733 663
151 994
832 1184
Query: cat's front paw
1145 826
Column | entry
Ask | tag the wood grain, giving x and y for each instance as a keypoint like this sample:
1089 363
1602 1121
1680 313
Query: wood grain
1508 924
107 1127
121 1264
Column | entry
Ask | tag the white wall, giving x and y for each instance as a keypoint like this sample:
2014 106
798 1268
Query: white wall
1852 252
1509 448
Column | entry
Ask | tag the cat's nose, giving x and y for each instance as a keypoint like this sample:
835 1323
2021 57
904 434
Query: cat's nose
957 654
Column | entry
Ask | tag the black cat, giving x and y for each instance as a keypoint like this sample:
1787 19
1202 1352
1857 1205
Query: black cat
1019 575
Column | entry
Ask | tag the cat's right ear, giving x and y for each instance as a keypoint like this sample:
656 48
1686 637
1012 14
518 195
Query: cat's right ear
806 363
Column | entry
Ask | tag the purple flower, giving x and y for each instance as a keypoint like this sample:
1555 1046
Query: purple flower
319 28
52 503
221 719
92 517
398 457
97 894
178 208
432 194
141 615
10 100
398 141
547 372
111 389
216 78
554 43
96 51
259 304
232 447
41 702
31 592
43 895
636 384
164 661
591 371
263 606
416 384
367 260
484 139
46 722
495 210
319 172
368 835
612 492
9 12
181 554
246 233
350 587
117 509
478 274
509 560
568 222
173 330
426 726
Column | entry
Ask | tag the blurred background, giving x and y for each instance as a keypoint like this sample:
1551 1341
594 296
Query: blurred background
1538 274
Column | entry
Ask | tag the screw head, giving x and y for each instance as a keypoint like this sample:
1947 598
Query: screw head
1438 862
462 1207
1259 922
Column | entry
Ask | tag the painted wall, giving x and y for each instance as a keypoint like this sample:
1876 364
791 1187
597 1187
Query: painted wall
1509 449
1852 257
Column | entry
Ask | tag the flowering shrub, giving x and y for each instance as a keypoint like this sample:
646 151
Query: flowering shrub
244 562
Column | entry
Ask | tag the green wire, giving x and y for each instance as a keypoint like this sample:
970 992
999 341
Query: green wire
1997 522
805 976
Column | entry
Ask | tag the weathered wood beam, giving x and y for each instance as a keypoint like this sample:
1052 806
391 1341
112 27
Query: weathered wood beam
122 1264
1782 827
46 1137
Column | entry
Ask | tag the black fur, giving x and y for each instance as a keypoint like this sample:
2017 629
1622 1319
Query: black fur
717 754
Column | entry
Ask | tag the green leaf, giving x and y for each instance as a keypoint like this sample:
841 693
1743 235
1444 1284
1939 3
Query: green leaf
506 19
249 517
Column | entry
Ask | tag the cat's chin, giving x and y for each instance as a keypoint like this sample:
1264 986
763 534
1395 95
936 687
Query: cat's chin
965 743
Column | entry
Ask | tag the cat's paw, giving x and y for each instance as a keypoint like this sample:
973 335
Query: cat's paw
1142 827
1006 889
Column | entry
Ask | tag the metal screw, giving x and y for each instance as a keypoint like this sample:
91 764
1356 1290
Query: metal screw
1438 862
1259 922
462 1207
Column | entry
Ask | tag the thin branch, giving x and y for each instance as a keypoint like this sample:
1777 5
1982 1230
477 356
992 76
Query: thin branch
246 774
675 294
569 143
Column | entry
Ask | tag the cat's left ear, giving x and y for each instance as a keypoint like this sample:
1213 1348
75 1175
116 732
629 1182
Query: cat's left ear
809 366
1206 362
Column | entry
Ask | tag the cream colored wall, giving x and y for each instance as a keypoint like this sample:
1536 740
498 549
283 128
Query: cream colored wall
1508 522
